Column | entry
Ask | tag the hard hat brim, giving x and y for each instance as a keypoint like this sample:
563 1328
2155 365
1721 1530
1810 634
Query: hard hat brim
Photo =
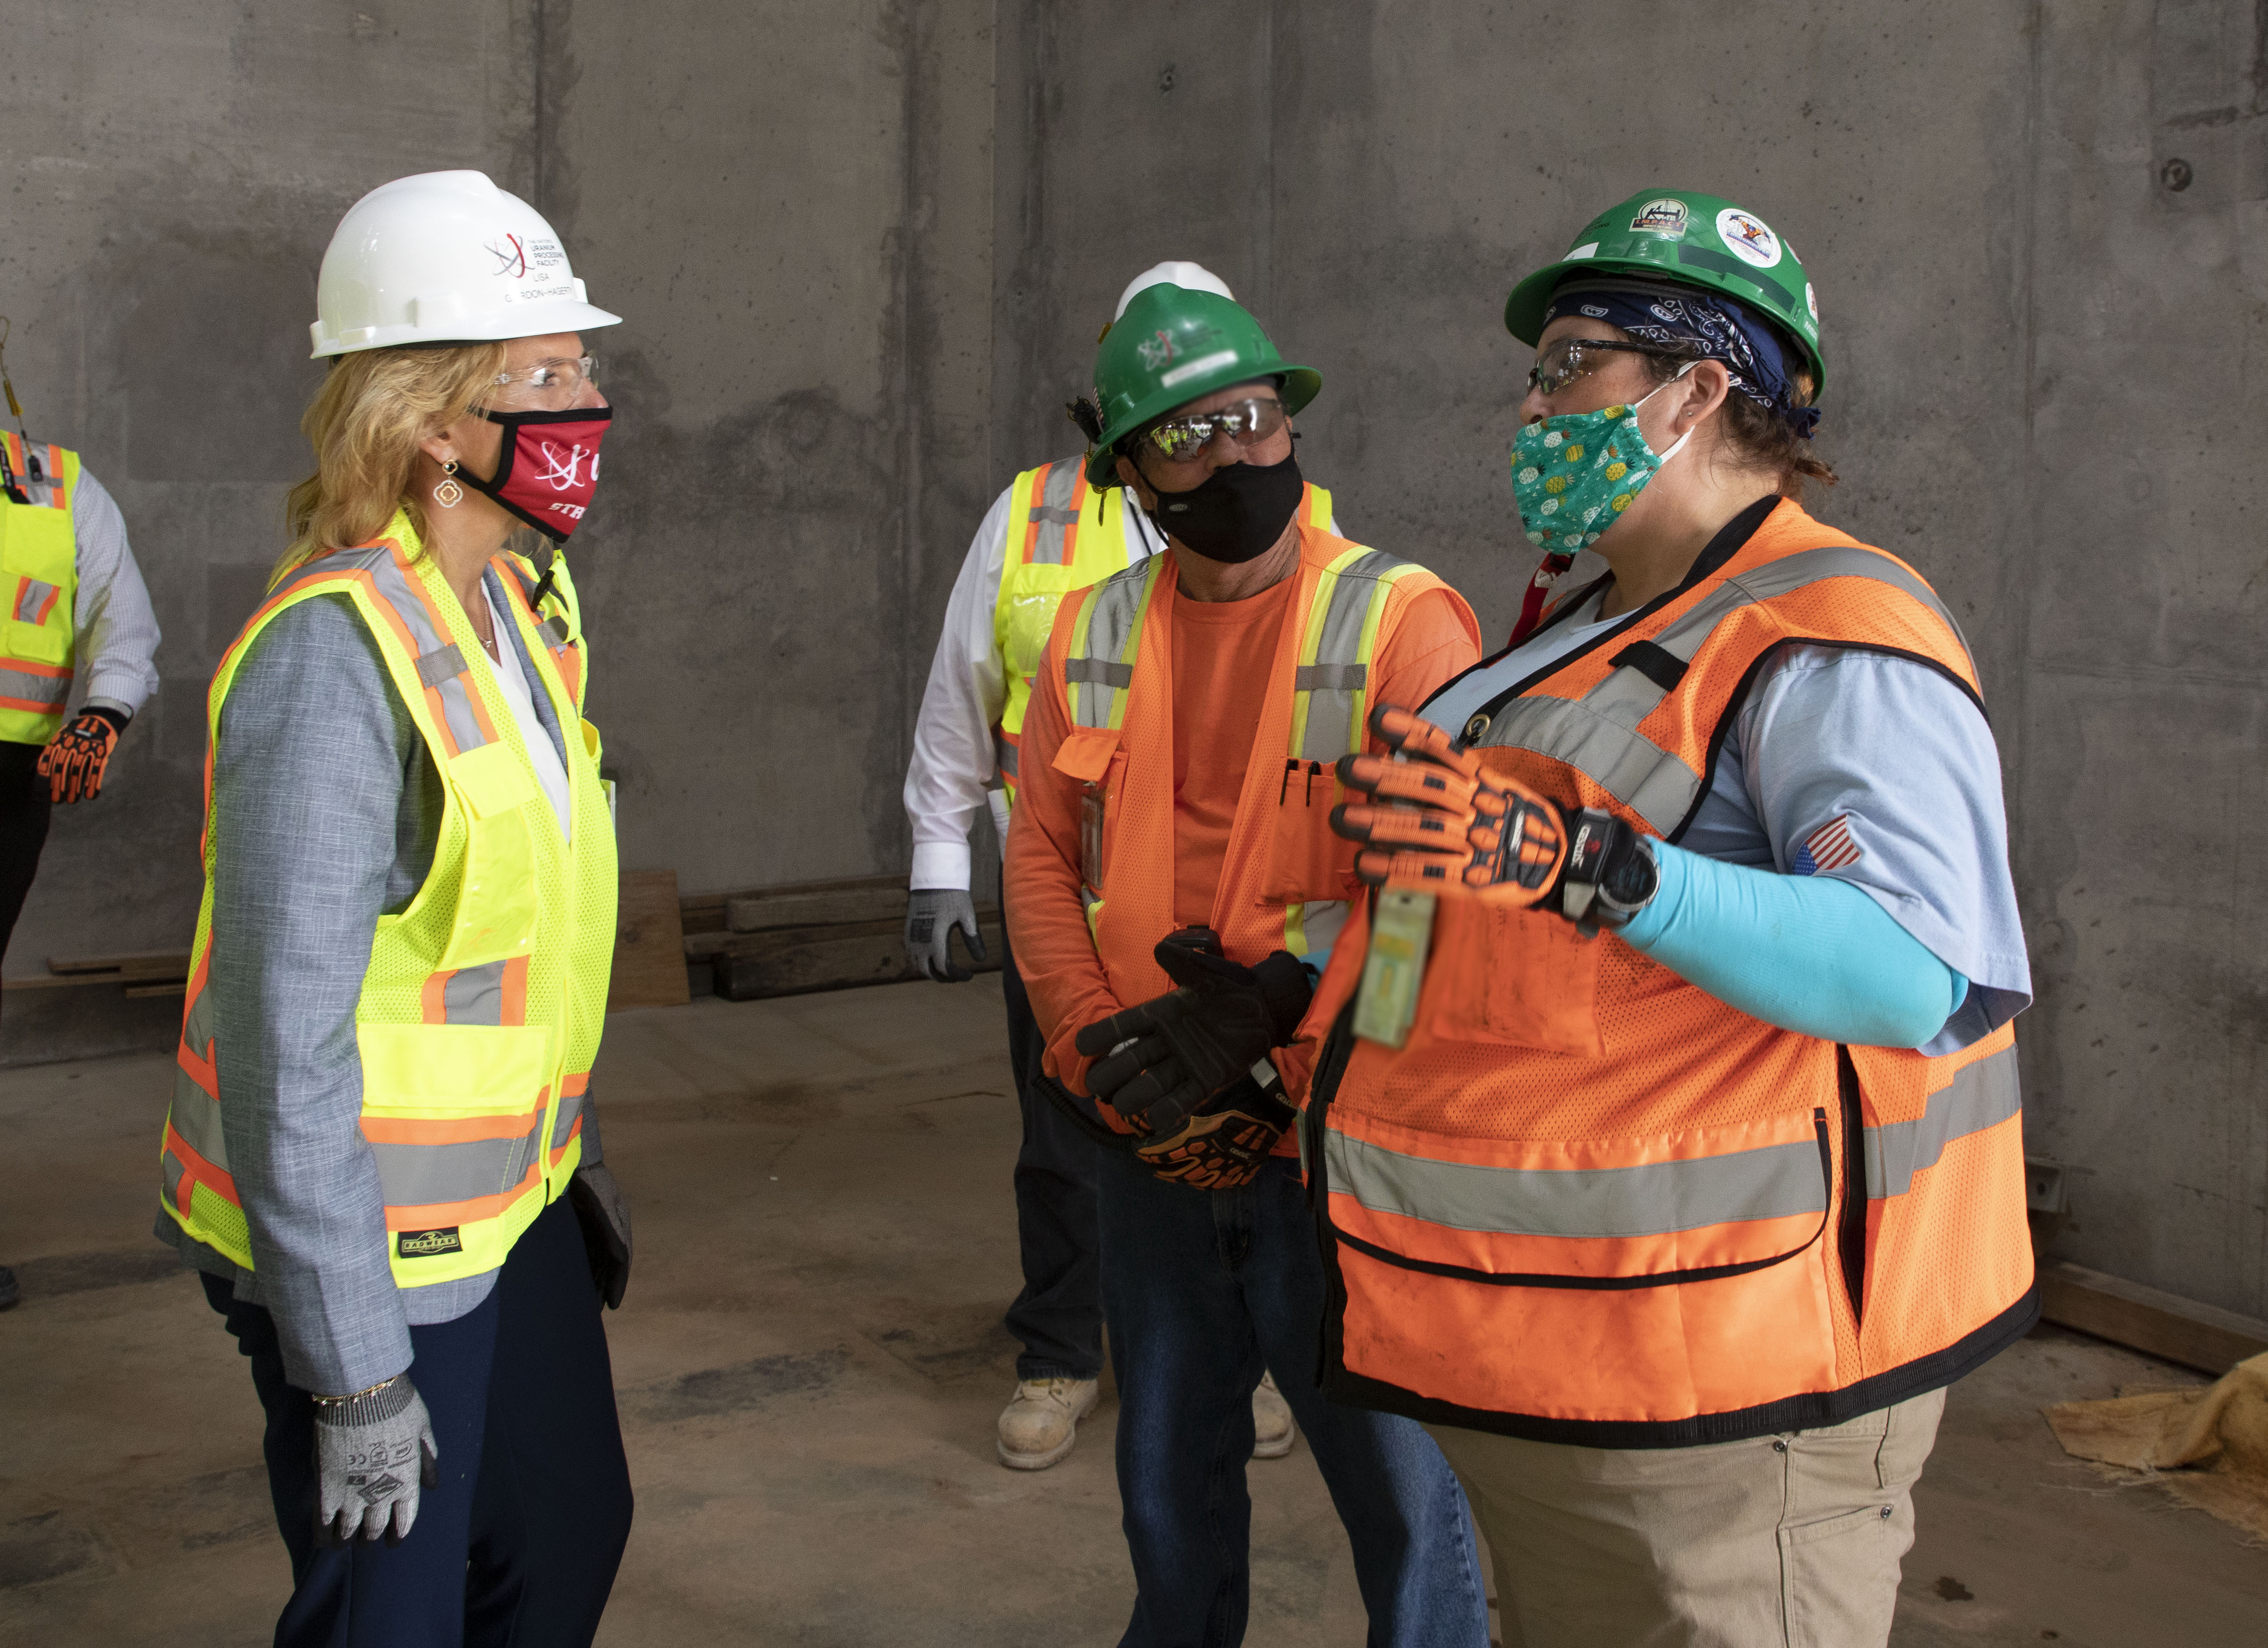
1523 310
1301 385
560 314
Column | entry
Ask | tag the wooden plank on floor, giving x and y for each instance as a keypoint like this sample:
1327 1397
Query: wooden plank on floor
794 961
164 964
649 944
818 903
2163 1324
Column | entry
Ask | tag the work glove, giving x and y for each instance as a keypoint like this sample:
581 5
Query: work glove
1434 822
374 1452
1157 1063
604 1214
931 915
1229 1139
74 760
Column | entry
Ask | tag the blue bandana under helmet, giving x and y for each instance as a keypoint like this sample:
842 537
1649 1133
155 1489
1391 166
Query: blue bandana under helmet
1760 364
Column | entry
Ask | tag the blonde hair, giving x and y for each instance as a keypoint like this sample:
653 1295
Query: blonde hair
364 425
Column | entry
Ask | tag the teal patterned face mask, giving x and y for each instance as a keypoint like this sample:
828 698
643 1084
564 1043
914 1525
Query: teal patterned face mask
1574 475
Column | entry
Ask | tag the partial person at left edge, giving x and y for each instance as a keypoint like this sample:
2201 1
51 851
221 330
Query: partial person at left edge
74 595
381 1151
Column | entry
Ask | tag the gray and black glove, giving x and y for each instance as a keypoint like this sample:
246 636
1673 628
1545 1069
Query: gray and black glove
1157 1063
931 915
603 1213
374 1452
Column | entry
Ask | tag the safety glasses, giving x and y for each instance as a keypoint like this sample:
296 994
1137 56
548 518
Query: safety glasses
1247 423
553 384
1560 363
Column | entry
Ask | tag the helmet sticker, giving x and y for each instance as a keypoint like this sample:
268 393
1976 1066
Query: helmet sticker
1665 216
1747 237
1811 301
1155 349
1589 248
1197 368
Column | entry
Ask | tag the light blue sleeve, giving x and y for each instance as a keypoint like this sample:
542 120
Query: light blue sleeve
1809 954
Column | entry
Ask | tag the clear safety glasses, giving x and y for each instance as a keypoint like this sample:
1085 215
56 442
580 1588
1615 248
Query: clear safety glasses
1560 363
1247 423
552 385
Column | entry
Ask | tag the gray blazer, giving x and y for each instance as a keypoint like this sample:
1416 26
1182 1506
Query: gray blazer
326 811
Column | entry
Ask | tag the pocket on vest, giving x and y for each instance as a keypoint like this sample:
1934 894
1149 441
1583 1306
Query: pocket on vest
1522 978
1307 864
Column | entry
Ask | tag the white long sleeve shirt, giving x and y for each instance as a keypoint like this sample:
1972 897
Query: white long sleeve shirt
117 632
953 762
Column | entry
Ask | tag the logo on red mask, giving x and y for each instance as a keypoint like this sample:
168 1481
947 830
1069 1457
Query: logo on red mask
549 466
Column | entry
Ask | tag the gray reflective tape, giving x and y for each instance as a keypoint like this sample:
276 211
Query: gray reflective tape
1981 1095
23 685
1100 670
557 624
422 1175
1321 923
196 1116
437 665
455 691
475 995
1055 513
563 1125
1636 770
1337 679
31 596
1004 756
1603 1203
1111 627
1317 678
174 1169
198 1024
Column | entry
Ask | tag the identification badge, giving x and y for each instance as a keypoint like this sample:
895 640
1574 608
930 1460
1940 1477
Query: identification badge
1400 928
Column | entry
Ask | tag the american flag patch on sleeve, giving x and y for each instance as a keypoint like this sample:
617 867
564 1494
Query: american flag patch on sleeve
1828 847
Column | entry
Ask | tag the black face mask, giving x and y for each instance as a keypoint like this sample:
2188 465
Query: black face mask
1237 514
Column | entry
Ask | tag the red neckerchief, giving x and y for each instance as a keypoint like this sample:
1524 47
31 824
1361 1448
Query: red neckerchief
1539 593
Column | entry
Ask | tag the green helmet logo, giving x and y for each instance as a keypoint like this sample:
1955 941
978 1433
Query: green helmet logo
1174 345
1685 239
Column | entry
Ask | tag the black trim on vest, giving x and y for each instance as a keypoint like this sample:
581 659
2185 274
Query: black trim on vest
1731 539
1850 1239
1747 683
1808 1412
1656 663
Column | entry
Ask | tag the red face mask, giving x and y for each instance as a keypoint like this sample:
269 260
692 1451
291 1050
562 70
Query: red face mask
549 467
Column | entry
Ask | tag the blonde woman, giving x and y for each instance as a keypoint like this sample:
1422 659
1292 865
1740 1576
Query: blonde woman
380 1151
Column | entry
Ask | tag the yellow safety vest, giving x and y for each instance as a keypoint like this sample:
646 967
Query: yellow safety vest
1056 544
39 579
486 995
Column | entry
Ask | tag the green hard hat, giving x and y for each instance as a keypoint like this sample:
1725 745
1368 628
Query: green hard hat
1676 235
1172 346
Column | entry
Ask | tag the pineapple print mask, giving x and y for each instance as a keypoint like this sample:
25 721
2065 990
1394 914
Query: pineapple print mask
1574 475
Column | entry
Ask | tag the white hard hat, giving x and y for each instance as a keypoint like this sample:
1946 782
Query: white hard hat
1195 276
445 257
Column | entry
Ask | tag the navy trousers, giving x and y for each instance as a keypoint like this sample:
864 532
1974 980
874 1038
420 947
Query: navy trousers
1058 1316
520 1543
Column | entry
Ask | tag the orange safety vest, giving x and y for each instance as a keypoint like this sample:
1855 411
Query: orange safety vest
1285 879
1588 1202
1056 544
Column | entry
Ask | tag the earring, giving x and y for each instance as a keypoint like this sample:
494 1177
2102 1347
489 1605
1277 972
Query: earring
449 494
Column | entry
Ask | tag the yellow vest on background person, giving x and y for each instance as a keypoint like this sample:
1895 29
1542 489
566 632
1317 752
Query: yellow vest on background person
39 563
486 994
1056 544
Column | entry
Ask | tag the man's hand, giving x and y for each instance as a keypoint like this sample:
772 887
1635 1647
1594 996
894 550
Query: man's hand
1157 1063
603 1213
931 916
374 1452
1435 821
1228 1142
74 761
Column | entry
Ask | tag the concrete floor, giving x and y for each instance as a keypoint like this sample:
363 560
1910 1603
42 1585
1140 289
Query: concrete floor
810 1363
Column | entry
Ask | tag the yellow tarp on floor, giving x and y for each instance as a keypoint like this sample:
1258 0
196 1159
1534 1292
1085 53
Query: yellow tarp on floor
2208 1446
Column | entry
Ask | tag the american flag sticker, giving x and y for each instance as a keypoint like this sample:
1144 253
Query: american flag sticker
1828 847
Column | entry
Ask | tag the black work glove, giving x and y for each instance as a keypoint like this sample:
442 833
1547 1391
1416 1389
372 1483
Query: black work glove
1228 1140
604 1214
1157 1063
1611 874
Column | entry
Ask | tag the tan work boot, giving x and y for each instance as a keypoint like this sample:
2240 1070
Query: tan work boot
1039 1425
1271 1421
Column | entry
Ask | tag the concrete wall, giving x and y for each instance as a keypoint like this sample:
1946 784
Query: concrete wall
864 249
2039 394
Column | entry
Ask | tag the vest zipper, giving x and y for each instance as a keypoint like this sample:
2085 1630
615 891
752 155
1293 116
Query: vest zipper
1850 1240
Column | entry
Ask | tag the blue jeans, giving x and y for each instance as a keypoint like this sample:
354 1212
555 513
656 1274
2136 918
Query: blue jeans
1202 1289
519 1542
1058 1315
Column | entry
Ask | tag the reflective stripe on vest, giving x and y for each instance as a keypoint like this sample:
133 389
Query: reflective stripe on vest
38 580
472 1085
1743 1229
